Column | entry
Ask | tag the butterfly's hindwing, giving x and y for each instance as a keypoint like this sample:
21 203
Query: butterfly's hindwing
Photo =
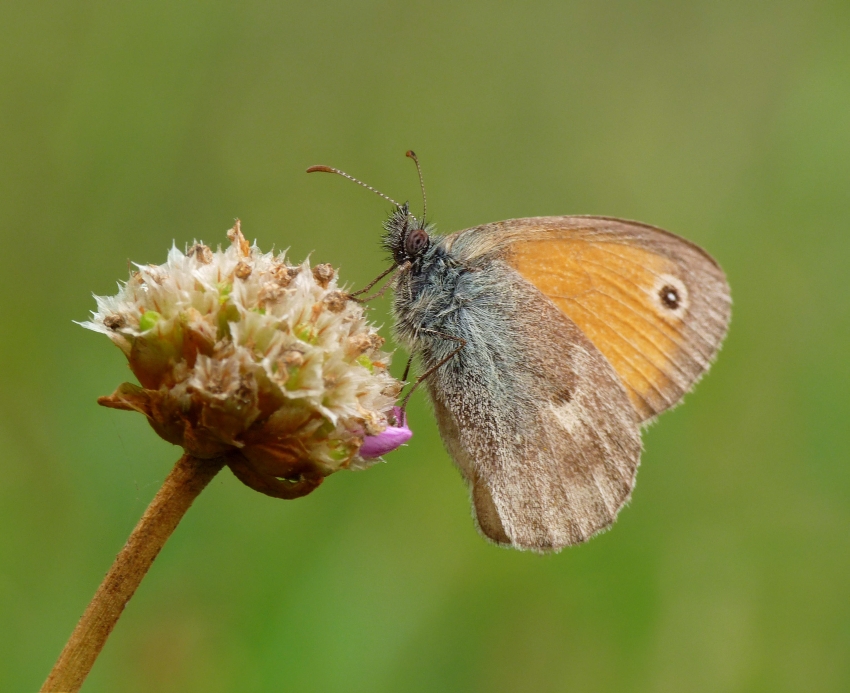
533 414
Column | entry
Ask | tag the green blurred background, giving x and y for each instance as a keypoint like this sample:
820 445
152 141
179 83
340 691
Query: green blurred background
124 126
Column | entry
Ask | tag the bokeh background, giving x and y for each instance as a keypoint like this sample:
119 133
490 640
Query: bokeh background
126 126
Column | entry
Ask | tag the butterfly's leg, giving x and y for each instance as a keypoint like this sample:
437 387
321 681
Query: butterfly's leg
390 270
407 369
461 344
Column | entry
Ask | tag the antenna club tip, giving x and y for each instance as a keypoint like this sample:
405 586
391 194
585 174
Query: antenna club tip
323 169
410 153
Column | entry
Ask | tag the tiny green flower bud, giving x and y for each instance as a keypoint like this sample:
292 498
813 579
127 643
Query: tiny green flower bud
148 320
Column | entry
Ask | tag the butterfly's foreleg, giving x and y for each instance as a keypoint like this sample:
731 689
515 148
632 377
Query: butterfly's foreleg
392 268
353 296
407 369
461 343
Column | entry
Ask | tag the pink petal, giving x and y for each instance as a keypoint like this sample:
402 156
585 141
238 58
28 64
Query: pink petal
393 437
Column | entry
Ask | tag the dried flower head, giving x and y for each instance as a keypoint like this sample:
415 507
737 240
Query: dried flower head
243 356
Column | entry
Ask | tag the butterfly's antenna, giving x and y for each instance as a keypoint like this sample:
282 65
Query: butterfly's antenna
328 169
410 153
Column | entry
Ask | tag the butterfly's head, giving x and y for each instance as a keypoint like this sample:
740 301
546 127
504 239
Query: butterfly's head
407 238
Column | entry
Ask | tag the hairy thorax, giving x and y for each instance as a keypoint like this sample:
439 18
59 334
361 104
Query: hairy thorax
428 296
442 302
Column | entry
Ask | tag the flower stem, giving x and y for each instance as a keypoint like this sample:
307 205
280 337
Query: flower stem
188 478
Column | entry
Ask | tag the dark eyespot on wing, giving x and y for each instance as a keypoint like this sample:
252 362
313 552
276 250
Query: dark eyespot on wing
669 296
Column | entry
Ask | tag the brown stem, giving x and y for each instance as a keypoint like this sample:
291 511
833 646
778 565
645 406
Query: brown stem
188 478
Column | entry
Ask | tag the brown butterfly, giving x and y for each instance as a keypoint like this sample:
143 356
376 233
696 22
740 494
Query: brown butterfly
546 343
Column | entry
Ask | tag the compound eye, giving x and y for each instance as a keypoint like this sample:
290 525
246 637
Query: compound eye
416 241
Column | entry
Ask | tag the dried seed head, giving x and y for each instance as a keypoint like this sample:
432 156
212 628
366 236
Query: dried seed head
323 274
243 270
336 300
113 322
283 273
241 355
361 343
201 253
237 239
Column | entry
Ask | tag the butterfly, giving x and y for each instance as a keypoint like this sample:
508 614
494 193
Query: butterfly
546 343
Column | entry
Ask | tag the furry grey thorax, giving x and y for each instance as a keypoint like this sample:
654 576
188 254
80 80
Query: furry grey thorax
439 297
438 292
430 289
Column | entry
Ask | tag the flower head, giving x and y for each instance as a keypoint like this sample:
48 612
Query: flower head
243 356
